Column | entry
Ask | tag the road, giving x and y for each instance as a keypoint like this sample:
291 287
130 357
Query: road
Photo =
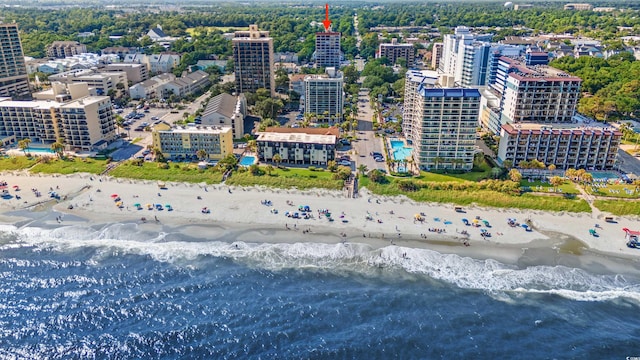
367 141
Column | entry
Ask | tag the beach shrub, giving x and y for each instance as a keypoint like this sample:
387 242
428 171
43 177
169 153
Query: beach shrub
163 166
343 173
408 185
312 168
377 176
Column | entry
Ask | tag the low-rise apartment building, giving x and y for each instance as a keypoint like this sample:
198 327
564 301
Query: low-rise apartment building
301 146
185 142
63 49
187 84
99 83
152 88
136 73
590 146
227 111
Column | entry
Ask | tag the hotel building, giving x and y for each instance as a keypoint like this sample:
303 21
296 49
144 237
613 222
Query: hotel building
410 112
84 123
327 49
444 135
395 51
185 142
537 93
253 60
324 96
302 146
591 146
14 81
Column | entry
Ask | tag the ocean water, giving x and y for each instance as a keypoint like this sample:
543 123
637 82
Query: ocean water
121 293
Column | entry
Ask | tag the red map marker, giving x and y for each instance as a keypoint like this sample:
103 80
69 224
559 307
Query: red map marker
326 21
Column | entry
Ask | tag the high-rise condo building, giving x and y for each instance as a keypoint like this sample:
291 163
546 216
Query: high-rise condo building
413 80
436 56
537 93
253 60
82 122
324 97
328 49
14 81
444 135
395 51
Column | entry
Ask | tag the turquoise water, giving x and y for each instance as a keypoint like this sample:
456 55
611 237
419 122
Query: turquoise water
400 152
247 160
605 175
41 150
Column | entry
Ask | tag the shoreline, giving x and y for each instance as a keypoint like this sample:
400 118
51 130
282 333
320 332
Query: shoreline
237 213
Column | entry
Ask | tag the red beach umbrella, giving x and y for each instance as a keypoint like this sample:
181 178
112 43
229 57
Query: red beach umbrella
114 195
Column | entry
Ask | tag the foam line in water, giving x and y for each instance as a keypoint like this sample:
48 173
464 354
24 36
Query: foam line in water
488 275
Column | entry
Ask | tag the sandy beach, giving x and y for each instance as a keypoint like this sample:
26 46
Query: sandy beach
258 215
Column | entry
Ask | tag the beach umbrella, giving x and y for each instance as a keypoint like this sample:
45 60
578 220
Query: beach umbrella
167 205
136 204
15 186
114 195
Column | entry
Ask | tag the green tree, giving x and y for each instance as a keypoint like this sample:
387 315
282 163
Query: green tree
201 154
515 175
58 148
24 145
362 168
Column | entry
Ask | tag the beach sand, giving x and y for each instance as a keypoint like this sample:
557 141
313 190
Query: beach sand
237 214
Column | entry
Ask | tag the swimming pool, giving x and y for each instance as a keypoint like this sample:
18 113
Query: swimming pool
605 175
400 152
40 150
247 160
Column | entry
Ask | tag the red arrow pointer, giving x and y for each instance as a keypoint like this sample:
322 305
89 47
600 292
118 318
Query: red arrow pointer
326 21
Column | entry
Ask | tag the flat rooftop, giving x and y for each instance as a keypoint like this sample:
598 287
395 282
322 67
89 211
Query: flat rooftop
581 124
298 138
199 130
537 72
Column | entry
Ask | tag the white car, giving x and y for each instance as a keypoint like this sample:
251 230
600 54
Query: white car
345 163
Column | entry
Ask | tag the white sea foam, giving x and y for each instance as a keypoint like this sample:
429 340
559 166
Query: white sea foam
464 272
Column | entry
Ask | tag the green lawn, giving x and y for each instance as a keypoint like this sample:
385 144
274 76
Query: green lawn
150 171
567 188
70 166
618 191
478 173
287 178
481 197
16 163
618 207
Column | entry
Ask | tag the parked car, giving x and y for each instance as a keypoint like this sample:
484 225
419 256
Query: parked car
379 159
344 163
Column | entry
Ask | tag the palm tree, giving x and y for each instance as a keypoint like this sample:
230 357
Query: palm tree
58 148
277 159
507 164
495 172
362 168
437 160
556 181
269 169
515 175
201 154
24 145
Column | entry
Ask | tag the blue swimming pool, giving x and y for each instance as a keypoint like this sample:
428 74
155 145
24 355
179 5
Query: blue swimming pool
399 151
247 160
40 150
605 175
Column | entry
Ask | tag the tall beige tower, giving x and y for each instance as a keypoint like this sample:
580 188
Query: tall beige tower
14 81
253 60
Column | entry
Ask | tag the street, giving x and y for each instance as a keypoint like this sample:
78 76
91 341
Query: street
367 142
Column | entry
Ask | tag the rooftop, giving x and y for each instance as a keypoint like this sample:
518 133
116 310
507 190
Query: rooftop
448 92
298 138
199 130
223 103
581 124
536 72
